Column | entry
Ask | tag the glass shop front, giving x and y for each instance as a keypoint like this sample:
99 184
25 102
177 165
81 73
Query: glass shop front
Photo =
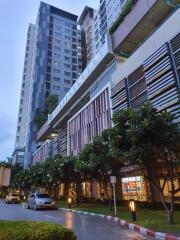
134 188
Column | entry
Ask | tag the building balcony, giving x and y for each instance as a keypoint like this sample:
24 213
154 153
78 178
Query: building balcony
144 18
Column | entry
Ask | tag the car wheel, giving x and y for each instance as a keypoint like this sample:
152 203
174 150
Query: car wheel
35 207
27 205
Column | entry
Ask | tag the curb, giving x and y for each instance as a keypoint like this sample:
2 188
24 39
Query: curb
131 226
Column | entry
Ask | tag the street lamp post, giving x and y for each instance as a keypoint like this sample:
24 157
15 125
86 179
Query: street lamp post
69 200
133 209
113 181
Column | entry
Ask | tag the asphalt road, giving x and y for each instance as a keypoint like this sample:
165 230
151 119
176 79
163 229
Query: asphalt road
85 227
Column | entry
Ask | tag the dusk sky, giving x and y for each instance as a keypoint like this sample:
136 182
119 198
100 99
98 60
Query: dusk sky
15 15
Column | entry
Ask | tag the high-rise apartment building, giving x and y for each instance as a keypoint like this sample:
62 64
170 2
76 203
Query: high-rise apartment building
113 9
94 25
86 22
55 67
18 154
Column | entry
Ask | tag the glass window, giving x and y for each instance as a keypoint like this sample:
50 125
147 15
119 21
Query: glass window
57 34
66 89
74 75
67 24
67 37
57 48
58 28
67 45
67 51
56 87
42 195
57 55
67 81
56 70
57 79
67 65
67 73
67 58
56 63
67 31
58 41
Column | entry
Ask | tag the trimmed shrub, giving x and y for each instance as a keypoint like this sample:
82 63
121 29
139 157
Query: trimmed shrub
125 10
25 230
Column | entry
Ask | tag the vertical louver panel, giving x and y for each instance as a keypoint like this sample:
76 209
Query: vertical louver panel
119 96
62 139
137 87
161 80
89 122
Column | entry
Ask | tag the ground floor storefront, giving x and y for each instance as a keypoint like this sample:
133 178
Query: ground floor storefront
132 184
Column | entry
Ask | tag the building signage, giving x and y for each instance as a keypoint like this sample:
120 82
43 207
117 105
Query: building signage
131 179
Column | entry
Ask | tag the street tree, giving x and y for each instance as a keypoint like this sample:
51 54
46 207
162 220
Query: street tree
72 177
152 140
98 160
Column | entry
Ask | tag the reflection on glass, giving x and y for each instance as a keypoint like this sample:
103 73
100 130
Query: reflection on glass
69 220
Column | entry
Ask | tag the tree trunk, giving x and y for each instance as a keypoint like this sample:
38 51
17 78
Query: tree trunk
109 196
163 201
78 193
66 190
171 212
170 217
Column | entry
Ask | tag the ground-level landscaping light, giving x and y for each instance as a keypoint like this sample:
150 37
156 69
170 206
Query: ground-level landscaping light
133 209
69 200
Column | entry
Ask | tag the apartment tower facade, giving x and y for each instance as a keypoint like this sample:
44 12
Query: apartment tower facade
18 154
55 65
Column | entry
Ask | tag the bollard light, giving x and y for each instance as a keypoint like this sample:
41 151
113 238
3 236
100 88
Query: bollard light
69 200
133 209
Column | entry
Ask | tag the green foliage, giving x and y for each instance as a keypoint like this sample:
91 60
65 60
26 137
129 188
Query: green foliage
50 174
144 133
98 159
5 164
39 118
148 138
22 230
51 103
41 115
15 169
125 10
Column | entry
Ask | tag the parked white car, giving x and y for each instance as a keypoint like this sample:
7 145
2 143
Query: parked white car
40 201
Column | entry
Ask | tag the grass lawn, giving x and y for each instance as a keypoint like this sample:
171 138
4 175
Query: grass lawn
23 230
152 219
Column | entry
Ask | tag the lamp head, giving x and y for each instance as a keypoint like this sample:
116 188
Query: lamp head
132 205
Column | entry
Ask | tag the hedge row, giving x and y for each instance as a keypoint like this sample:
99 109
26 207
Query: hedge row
125 10
25 230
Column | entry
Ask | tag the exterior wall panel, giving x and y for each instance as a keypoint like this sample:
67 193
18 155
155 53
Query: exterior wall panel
89 122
